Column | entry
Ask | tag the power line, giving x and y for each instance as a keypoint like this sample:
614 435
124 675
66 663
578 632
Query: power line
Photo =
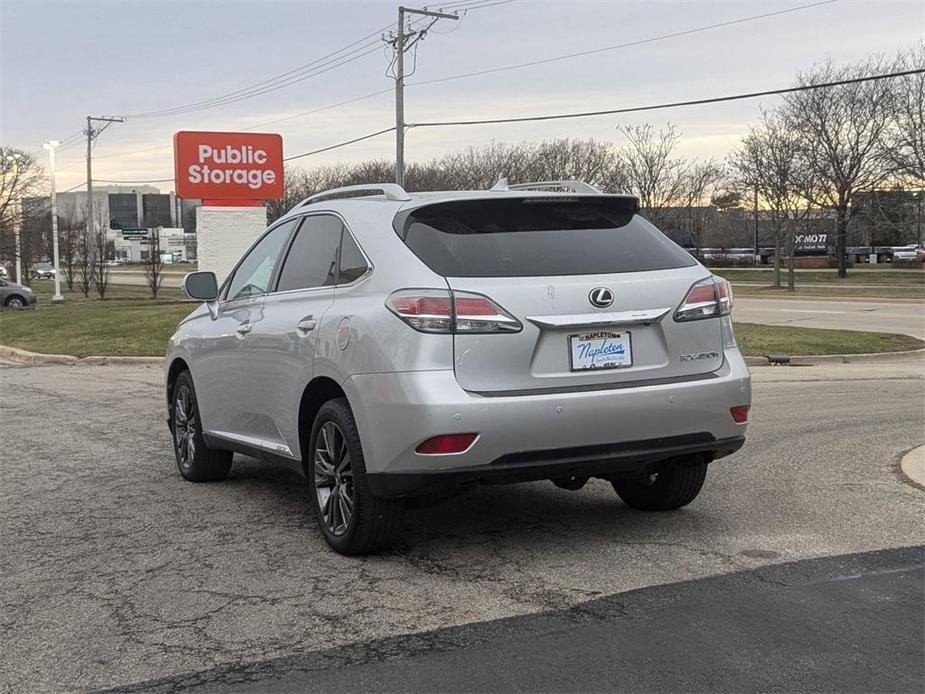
309 66
360 48
640 42
673 104
341 144
332 65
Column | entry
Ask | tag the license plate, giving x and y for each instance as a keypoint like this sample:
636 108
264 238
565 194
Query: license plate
600 350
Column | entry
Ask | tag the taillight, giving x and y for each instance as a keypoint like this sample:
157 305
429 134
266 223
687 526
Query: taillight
446 444
443 311
709 298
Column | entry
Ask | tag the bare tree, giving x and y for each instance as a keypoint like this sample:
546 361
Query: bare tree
84 259
69 226
769 160
154 263
842 133
906 137
651 170
20 176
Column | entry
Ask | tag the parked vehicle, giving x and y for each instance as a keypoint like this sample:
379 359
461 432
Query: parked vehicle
391 345
43 271
3 272
14 295
908 253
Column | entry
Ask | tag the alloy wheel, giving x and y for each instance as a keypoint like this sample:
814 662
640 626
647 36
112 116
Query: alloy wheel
184 426
15 302
333 478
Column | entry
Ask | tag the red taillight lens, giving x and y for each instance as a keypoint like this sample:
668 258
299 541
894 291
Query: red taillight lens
447 443
707 299
422 305
442 311
739 413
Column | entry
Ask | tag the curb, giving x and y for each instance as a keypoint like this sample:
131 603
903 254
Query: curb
869 357
912 466
36 358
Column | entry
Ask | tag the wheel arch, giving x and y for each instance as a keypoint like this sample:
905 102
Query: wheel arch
318 391
177 366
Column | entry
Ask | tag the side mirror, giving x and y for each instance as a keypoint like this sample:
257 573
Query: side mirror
201 286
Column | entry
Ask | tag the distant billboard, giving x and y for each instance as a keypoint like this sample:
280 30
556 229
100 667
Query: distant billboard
226 167
811 242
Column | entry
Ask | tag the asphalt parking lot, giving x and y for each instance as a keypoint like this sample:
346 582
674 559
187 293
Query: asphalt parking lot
115 571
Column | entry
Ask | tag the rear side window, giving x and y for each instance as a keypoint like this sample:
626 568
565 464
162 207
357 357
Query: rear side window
353 263
312 257
537 236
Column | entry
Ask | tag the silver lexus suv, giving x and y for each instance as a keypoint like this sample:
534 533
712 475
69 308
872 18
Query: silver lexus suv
391 347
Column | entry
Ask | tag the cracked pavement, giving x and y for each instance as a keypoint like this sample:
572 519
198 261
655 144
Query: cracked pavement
114 570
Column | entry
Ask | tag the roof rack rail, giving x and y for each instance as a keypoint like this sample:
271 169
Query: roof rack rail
571 186
391 191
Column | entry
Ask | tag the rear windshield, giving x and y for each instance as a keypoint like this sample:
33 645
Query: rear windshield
537 236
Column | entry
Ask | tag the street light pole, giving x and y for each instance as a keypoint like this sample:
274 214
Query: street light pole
50 146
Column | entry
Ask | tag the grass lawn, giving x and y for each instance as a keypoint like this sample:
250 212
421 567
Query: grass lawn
84 328
761 340
45 289
129 326
808 291
810 277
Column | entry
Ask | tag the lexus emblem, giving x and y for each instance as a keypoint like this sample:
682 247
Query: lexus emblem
601 297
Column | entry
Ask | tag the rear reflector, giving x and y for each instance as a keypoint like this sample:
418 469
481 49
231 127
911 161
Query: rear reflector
739 413
443 311
447 443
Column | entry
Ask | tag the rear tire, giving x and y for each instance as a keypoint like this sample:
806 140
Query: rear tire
675 485
196 461
352 520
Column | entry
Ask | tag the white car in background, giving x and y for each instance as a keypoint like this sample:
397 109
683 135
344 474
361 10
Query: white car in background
909 253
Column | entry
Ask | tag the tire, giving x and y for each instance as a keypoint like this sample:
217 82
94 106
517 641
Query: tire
352 520
196 461
15 301
677 484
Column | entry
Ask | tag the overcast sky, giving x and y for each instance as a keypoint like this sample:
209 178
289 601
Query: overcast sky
63 60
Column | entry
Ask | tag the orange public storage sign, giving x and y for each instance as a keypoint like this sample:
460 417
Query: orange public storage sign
228 166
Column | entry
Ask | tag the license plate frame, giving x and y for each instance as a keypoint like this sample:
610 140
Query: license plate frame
624 362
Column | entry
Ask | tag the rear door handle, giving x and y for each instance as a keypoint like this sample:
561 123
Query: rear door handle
306 325
243 329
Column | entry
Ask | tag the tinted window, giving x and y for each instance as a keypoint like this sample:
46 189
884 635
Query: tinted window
312 258
353 264
253 275
537 236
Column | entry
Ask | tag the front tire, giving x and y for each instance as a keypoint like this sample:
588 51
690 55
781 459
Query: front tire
15 301
196 461
675 485
352 520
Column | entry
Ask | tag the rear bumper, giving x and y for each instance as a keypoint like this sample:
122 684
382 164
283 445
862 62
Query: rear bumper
397 411
607 461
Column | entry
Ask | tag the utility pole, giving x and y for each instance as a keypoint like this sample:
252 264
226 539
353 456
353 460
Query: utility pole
91 135
402 42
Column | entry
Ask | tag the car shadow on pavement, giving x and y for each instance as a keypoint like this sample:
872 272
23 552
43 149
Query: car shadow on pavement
536 514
